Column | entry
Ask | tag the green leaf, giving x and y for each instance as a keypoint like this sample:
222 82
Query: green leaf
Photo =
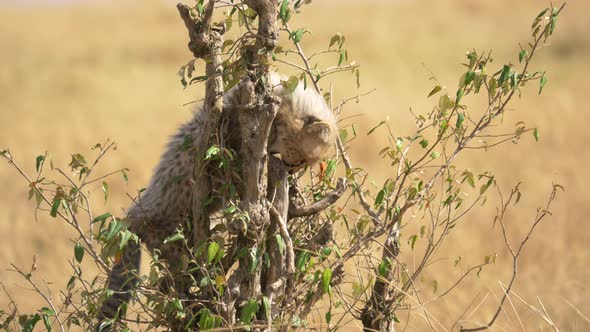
290 84
536 134
553 24
255 259
77 161
173 238
399 144
485 187
199 7
513 80
444 102
328 317
125 176
444 124
280 243
380 197
434 91
472 56
343 135
124 238
196 79
102 217
39 162
504 75
32 191
460 94
212 251
105 190
470 179
337 39
412 241
114 227
183 82
493 84
522 55
47 323
460 119
330 168
469 76
374 128
342 57
283 10
412 192
78 252
542 83
229 22
383 268
47 311
176 304
434 155
29 323
71 283
326 279
542 12
230 210
424 143
298 34
211 152
54 207
249 311
266 305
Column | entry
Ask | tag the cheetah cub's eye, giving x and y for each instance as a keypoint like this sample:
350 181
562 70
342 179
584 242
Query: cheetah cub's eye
309 120
294 167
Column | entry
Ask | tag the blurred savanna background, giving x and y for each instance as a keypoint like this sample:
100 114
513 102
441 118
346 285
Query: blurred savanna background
75 73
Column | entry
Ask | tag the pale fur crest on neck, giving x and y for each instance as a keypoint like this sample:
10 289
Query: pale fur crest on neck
307 105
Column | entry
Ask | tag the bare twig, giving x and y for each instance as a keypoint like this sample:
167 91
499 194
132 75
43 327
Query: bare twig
321 205
47 298
541 214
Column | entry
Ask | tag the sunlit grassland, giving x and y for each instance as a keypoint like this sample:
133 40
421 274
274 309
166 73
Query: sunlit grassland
74 76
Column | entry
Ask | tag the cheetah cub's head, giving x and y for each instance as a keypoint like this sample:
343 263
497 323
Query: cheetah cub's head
305 127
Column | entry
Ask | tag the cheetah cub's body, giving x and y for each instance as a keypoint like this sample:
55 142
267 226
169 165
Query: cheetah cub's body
302 133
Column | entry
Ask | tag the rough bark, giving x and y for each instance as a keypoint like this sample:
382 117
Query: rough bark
281 270
257 111
378 314
205 43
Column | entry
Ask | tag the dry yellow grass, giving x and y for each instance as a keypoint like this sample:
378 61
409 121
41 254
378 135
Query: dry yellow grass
74 76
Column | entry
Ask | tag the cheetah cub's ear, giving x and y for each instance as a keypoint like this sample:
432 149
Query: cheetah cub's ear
319 130
317 138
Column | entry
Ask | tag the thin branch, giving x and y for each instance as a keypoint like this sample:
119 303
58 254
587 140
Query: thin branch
322 204
541 214
38 291
290 257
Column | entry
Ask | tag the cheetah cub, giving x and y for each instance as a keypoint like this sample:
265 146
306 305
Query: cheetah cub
302 133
